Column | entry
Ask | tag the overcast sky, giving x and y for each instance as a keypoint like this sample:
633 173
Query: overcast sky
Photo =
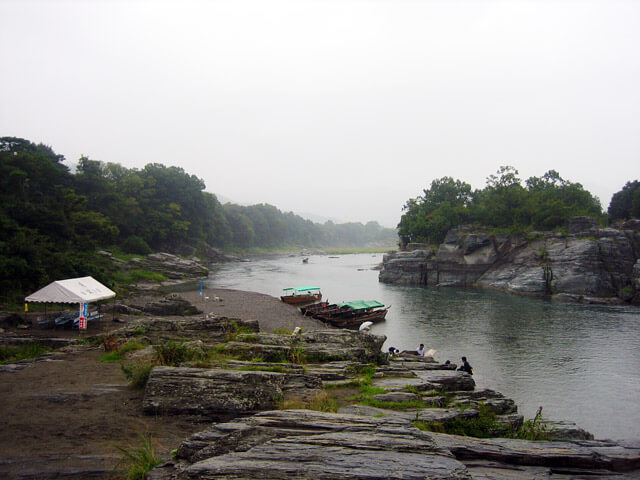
343 108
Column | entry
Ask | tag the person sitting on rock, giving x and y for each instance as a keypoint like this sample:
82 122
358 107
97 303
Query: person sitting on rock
420 350
465 367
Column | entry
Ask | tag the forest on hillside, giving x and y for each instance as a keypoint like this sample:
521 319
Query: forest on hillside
505 204
52 221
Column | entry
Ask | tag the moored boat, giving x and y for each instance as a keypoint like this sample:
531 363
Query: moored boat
301 295
352 314
313 308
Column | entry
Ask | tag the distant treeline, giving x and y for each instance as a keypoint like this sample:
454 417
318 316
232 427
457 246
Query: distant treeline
52 221
542 203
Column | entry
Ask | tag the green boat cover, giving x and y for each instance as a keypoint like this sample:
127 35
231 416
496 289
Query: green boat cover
301 289
361 304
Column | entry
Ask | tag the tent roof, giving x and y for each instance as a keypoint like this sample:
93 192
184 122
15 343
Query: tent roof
72 290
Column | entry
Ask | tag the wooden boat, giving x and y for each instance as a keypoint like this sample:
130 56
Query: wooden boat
352 314
301 295
310 310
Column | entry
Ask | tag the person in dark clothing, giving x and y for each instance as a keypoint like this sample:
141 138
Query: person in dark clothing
465 367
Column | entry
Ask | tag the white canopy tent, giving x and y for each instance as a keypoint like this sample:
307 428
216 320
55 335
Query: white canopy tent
72 290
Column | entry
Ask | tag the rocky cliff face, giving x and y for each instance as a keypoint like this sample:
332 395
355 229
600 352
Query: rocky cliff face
586 264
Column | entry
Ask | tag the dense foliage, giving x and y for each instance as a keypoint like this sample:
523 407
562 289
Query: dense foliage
543 203
52 220
625 204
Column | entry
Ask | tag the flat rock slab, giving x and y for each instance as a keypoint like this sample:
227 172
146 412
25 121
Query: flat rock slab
398 384
422 414
332 456
304 444
217 393
425 380
451 380
586 454
316 445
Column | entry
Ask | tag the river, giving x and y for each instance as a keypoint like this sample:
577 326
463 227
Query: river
579 362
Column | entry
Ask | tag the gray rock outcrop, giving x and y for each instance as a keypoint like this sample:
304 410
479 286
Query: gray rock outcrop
588 264
313 445
217 393
171 266
316 346
210 329
306 444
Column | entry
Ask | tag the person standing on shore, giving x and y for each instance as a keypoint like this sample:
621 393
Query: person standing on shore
465 367
420 350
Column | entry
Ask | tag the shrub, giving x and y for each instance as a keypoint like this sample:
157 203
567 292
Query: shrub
485 425
137 245
137 373
535 429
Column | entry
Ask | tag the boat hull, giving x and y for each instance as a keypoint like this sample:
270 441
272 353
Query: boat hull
301 299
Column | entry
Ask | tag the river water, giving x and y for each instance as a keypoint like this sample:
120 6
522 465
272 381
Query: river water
579 362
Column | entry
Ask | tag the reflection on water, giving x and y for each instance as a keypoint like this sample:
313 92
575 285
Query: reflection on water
580 363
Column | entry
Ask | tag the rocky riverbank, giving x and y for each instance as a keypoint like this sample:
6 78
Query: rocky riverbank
257 401
586 264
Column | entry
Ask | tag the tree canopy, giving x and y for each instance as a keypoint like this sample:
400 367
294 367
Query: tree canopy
542 203
52 220
625 204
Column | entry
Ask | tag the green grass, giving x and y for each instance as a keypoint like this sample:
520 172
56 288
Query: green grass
172 353
138 275
138 460
234 330
14 353
120 353
485 425
405 405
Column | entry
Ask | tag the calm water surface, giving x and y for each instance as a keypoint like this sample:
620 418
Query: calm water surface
580 363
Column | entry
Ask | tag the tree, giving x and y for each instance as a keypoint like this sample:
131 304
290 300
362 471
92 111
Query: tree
625 204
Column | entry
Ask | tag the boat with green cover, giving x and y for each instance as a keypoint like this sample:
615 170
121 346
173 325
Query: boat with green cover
352 314
301 295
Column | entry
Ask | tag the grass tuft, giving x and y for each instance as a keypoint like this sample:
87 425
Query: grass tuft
137 373
138 460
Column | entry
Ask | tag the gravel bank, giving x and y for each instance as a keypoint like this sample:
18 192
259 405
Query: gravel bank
270 312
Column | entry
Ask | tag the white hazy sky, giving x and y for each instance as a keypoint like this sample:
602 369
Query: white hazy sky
343 108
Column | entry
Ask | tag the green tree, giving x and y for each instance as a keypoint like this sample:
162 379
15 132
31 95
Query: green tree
625 204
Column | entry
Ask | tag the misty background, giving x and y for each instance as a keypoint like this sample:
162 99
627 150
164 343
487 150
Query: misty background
341 109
